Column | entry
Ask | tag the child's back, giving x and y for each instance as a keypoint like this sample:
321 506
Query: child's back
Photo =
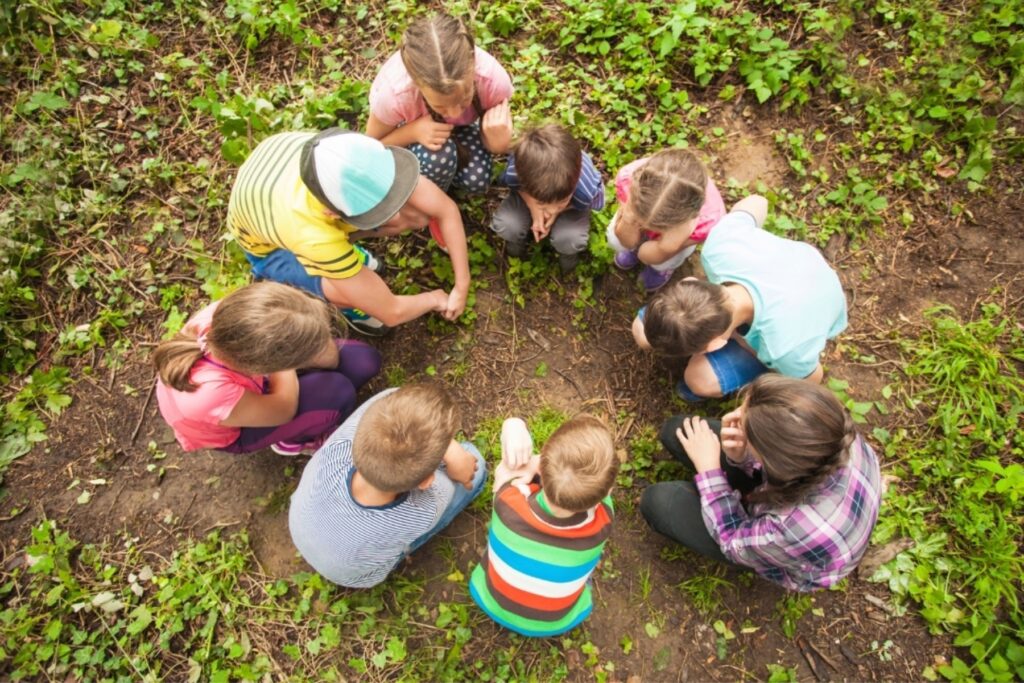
544 543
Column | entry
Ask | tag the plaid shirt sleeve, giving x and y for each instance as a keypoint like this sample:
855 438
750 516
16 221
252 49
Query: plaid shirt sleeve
755 542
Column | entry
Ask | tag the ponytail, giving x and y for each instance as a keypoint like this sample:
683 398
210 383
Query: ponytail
174 359
802 433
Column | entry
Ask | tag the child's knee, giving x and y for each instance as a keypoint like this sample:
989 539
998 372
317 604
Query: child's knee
511 222
638 334
571 237
438 166
700 377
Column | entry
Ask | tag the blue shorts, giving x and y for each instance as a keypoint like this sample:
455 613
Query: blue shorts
282 266
733 365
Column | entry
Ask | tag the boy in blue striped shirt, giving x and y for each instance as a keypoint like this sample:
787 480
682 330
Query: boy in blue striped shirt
554 187
383 484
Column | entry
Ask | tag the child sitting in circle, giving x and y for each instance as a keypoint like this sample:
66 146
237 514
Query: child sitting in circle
228 380
546 535
300 201
668 206
554 187
446 100
785 485
769 303
384 483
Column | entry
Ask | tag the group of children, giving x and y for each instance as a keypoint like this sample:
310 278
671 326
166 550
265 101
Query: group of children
261 368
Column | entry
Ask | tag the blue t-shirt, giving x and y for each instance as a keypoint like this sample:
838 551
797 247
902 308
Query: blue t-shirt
799 303
589 192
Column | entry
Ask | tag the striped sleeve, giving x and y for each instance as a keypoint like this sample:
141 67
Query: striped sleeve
589 193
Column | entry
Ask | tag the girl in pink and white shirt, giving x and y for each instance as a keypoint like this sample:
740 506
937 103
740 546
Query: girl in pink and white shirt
230 380
668 205
446 100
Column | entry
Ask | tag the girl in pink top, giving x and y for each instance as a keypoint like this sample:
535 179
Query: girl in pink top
668 205
228 380
447 101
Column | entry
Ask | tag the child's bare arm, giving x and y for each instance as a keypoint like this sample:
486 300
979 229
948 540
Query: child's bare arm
654 252
460 464
430 200
626 231
271 409
817 375
423 130
755 205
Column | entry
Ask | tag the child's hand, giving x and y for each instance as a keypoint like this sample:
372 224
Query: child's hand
734 440
455 304
439 299
504 474
516 443
496 128
430 133
700 444
460 464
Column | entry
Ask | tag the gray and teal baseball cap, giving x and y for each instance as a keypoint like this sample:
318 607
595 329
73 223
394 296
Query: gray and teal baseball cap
358 177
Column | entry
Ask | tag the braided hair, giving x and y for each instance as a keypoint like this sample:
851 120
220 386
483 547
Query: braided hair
802 433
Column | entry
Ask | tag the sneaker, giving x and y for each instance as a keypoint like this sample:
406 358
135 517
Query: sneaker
292 448
626 260
568 262
363 323
435 232
369 260
687 395
653 280
517 249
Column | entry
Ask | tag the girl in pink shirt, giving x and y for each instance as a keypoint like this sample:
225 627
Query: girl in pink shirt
668 205
228 380
447 101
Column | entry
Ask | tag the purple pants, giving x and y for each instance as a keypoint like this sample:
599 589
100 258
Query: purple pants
326 398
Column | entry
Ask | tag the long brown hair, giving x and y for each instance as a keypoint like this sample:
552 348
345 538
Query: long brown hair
801 432
439 53
262 328
668 190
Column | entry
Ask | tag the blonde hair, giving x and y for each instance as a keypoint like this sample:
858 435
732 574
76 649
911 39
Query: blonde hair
684 318
548 162
439 53
402 438
262 328
668 190
578 464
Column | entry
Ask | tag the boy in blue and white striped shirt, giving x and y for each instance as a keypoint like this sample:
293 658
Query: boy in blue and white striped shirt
554 187
383 484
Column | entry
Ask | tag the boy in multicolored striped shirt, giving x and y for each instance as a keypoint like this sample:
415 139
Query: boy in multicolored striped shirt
546 536
554 187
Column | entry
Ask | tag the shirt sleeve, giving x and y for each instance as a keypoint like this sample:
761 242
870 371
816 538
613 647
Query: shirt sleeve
326 252
755 542
509 178
388 100
493 81
590 188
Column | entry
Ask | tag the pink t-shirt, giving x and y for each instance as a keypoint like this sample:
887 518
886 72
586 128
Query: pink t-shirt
710 213
195 415
395 99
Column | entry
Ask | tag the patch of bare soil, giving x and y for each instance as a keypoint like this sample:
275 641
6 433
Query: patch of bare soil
643 622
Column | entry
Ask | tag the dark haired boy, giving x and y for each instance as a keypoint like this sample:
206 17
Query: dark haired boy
554 187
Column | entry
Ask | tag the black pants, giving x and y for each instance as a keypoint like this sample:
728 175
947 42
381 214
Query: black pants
673 508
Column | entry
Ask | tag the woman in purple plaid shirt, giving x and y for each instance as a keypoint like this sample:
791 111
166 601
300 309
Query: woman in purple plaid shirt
785 485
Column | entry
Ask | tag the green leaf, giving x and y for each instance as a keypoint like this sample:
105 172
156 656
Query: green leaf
45 100
142 618
651 630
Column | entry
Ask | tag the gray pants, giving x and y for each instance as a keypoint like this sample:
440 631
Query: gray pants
569 233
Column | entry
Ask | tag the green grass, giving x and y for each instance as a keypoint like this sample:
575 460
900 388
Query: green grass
121 129
962 484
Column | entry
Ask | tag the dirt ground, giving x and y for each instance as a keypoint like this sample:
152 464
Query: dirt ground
161 495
